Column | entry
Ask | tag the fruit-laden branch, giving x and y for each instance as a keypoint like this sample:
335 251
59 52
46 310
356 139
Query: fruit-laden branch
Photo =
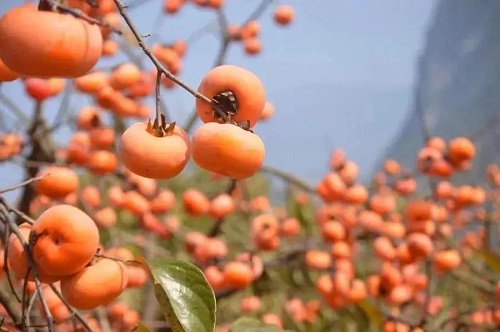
160 68
5 216
54 5
9 306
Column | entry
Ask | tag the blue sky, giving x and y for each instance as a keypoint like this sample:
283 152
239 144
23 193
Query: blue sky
341 75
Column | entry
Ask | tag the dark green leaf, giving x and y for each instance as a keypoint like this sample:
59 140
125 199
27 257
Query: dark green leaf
184 294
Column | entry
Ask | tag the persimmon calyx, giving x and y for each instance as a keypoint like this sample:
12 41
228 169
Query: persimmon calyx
160 128
227 103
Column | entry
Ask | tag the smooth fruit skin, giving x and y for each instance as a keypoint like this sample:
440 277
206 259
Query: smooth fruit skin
57 182
96 285
247 88
6 74
228 150
66 240
17 260
154 157
48 44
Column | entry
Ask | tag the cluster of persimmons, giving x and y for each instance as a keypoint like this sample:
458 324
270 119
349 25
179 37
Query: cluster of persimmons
409 240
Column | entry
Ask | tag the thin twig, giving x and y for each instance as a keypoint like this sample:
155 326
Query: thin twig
73 311
22 184
289 178
32 266
159 66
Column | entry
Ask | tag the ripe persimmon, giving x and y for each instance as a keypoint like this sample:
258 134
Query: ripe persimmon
124 76
57 182
461 149
284 15
157 157
237 275
228 150
253 46
102 137
237 91
6 74
61 45
102 162
17 260
95 285
64 240
221 206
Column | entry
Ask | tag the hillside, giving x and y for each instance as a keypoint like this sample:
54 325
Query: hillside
458 83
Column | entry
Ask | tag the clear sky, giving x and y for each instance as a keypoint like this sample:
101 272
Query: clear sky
341 75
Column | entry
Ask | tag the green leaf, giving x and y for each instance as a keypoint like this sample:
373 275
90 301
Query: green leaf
491 259
184 294
249 324
141 328
373 314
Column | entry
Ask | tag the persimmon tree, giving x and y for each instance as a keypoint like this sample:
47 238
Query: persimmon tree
139 222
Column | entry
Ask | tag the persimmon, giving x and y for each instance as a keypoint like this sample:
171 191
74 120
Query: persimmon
237 91
88 117
64 240
384 248
356 194
124 76
90 195
102 162
260 204
157 157
195 202
320 260
105 217
357 291
57 182
37 88
17 260
267 112
228 150
250 304
102 137
163 202
284 15
461 149
215 277
420 245
272 319
172 6
116 196
180 47
95 285
135 203
91 82
252 46
221 206
446 260
290 227
6 74
250 30
110 47
61 45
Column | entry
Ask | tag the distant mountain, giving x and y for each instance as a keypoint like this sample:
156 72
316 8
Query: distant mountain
458 83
